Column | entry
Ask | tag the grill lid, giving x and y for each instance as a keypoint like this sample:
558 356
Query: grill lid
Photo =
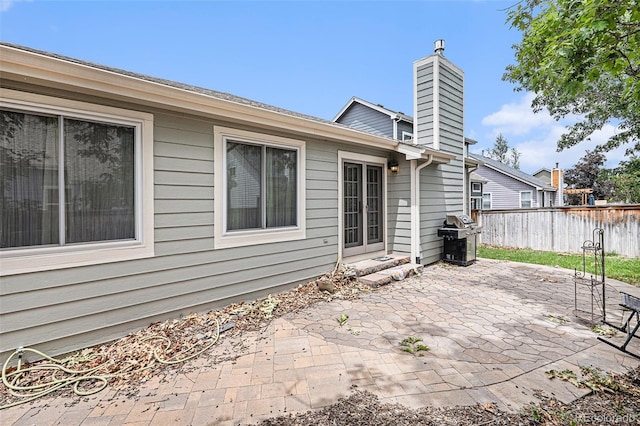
459 221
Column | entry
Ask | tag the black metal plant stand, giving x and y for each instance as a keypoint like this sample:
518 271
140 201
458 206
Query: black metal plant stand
593 254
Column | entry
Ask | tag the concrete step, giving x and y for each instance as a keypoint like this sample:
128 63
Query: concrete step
394 273
370 266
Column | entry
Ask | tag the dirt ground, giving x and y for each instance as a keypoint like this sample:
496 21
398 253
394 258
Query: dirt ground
613 400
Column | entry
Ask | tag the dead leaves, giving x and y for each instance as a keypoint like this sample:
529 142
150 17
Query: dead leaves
138 356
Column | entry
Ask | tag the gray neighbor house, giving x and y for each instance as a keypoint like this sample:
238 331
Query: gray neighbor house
509 188
181 199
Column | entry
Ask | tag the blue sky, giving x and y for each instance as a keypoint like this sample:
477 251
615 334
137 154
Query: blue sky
307 56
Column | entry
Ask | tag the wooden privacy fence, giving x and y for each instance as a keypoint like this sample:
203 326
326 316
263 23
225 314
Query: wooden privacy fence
563 229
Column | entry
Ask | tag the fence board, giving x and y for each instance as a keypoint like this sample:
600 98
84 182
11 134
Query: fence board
563 229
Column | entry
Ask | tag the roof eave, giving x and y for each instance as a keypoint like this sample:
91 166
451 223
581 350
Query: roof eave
532 184
394 115
48 71
468 161
416 152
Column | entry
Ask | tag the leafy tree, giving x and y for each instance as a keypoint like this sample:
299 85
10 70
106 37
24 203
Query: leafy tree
502 153
626 178
588 173
581 58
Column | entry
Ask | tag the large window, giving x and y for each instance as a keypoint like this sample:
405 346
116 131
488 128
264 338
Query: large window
93 162
486 201
261 186
525 199
71 183
258 180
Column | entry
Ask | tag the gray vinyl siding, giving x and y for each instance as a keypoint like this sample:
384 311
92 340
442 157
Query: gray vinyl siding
61 310
440 193
65 309
544 175
403 126
505 190
399 210
423 116
441 186
363 118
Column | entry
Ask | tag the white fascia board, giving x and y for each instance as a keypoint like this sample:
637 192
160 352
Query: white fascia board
544 169
398 116
416 152
383 110
63 74
410 152
394 115
344 109
356 100
471 162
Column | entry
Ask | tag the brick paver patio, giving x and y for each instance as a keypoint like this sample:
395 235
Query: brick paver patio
494 328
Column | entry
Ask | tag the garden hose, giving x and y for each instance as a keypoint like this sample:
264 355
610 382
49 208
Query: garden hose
75 378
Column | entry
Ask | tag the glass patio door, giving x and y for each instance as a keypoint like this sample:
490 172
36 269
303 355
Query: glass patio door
363 210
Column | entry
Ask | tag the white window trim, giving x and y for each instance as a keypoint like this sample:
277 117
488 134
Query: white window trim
224 239
476 187
530 199
490 201
407 136
25 260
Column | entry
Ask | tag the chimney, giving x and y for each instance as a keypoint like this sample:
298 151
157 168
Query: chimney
558 183
438 103
556 177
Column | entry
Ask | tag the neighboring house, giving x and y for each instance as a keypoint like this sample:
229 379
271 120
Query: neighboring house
180 199
375 118
508 188
544 175
477 189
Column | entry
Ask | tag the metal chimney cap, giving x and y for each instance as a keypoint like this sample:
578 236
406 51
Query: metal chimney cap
438 46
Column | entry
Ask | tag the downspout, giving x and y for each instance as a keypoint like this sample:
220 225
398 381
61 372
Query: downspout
415 210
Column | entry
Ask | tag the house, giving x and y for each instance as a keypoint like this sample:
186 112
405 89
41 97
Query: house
508 188
375 118
181 199
543 174
477 188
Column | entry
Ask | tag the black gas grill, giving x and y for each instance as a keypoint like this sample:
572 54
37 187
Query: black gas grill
460 234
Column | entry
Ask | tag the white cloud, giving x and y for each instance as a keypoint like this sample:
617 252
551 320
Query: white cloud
6 4
536 135
517 118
